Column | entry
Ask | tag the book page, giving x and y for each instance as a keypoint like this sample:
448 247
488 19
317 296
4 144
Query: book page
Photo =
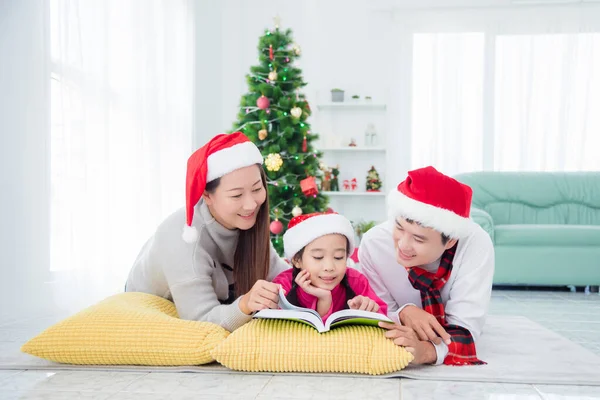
284 304
355 317
292 315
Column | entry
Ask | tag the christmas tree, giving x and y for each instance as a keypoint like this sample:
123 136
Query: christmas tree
373 181
273 114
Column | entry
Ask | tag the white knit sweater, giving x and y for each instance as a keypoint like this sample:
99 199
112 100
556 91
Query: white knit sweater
196 276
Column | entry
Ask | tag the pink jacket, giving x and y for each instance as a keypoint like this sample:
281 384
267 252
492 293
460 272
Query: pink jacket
357 281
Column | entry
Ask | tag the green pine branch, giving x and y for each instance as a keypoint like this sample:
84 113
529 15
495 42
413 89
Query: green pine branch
285 133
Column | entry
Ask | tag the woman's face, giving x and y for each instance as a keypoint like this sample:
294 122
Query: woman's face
237 199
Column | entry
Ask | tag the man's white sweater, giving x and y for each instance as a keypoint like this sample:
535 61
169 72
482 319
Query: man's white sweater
466 295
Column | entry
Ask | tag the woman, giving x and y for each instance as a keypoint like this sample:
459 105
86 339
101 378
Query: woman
218 270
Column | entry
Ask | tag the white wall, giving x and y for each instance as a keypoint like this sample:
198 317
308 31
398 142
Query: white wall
359 45
356 51
352 44
24 172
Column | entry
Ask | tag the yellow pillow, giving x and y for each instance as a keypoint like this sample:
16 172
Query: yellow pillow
288 346
128 329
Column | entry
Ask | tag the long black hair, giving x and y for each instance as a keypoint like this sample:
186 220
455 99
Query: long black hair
292 296
251 257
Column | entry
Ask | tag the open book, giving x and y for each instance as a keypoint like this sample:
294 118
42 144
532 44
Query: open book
311 317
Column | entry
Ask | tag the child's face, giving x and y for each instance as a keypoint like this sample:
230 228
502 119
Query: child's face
325 260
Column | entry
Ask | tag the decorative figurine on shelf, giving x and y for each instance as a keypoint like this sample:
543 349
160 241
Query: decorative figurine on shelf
373 181
352 143
326 181
370 135
346 185
335 172
353 184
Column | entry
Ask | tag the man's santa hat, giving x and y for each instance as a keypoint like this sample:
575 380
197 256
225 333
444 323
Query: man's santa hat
434 200
303 229
223 154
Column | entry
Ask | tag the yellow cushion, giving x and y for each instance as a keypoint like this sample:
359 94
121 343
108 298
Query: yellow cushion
288 346
128 329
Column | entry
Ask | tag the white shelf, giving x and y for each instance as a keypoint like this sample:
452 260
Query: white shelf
352 105
355 193
353 149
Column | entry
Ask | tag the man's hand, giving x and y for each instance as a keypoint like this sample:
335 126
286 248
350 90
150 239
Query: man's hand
423 351
424 324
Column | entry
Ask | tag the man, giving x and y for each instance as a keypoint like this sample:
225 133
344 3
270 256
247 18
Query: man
433 266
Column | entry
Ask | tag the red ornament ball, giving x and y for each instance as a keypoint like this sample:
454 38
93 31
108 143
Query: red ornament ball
263 102
276 227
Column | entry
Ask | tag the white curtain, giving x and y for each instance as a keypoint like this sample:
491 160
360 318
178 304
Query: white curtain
447 94
547 102
505 88
121 131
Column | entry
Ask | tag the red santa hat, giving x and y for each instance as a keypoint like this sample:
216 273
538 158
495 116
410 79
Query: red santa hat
303 229
433 200
223 154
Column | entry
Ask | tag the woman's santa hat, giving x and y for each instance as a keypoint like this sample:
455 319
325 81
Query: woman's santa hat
223 154
303 229
434 200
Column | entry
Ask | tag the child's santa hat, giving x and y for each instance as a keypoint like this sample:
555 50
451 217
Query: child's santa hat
223 154
303 229
434 200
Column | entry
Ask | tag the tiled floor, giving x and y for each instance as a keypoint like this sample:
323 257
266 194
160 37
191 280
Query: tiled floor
574 315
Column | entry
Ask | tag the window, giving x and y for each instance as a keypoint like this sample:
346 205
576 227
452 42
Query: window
499 92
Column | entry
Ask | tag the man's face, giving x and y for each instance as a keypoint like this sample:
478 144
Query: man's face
416 245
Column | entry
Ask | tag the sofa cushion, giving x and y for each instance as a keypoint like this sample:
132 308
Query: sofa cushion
569 198
484 220
547 235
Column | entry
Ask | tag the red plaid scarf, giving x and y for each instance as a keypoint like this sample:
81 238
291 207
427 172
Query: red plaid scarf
462 349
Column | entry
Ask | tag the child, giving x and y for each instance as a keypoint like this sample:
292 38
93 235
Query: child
318 245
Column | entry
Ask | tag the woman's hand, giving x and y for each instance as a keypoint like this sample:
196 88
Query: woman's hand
263 295
303 280
363 303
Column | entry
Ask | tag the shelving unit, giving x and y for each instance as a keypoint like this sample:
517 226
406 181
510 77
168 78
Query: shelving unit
355 193
352 105
354 149
341 123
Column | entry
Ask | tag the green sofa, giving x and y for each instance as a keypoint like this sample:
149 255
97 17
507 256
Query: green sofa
545 226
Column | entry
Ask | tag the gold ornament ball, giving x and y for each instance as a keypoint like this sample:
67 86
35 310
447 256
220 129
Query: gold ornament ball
296 211
273 76
296 112
296 50
262 134
273 162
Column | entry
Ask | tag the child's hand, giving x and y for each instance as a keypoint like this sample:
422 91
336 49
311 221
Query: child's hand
363 303
303 280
